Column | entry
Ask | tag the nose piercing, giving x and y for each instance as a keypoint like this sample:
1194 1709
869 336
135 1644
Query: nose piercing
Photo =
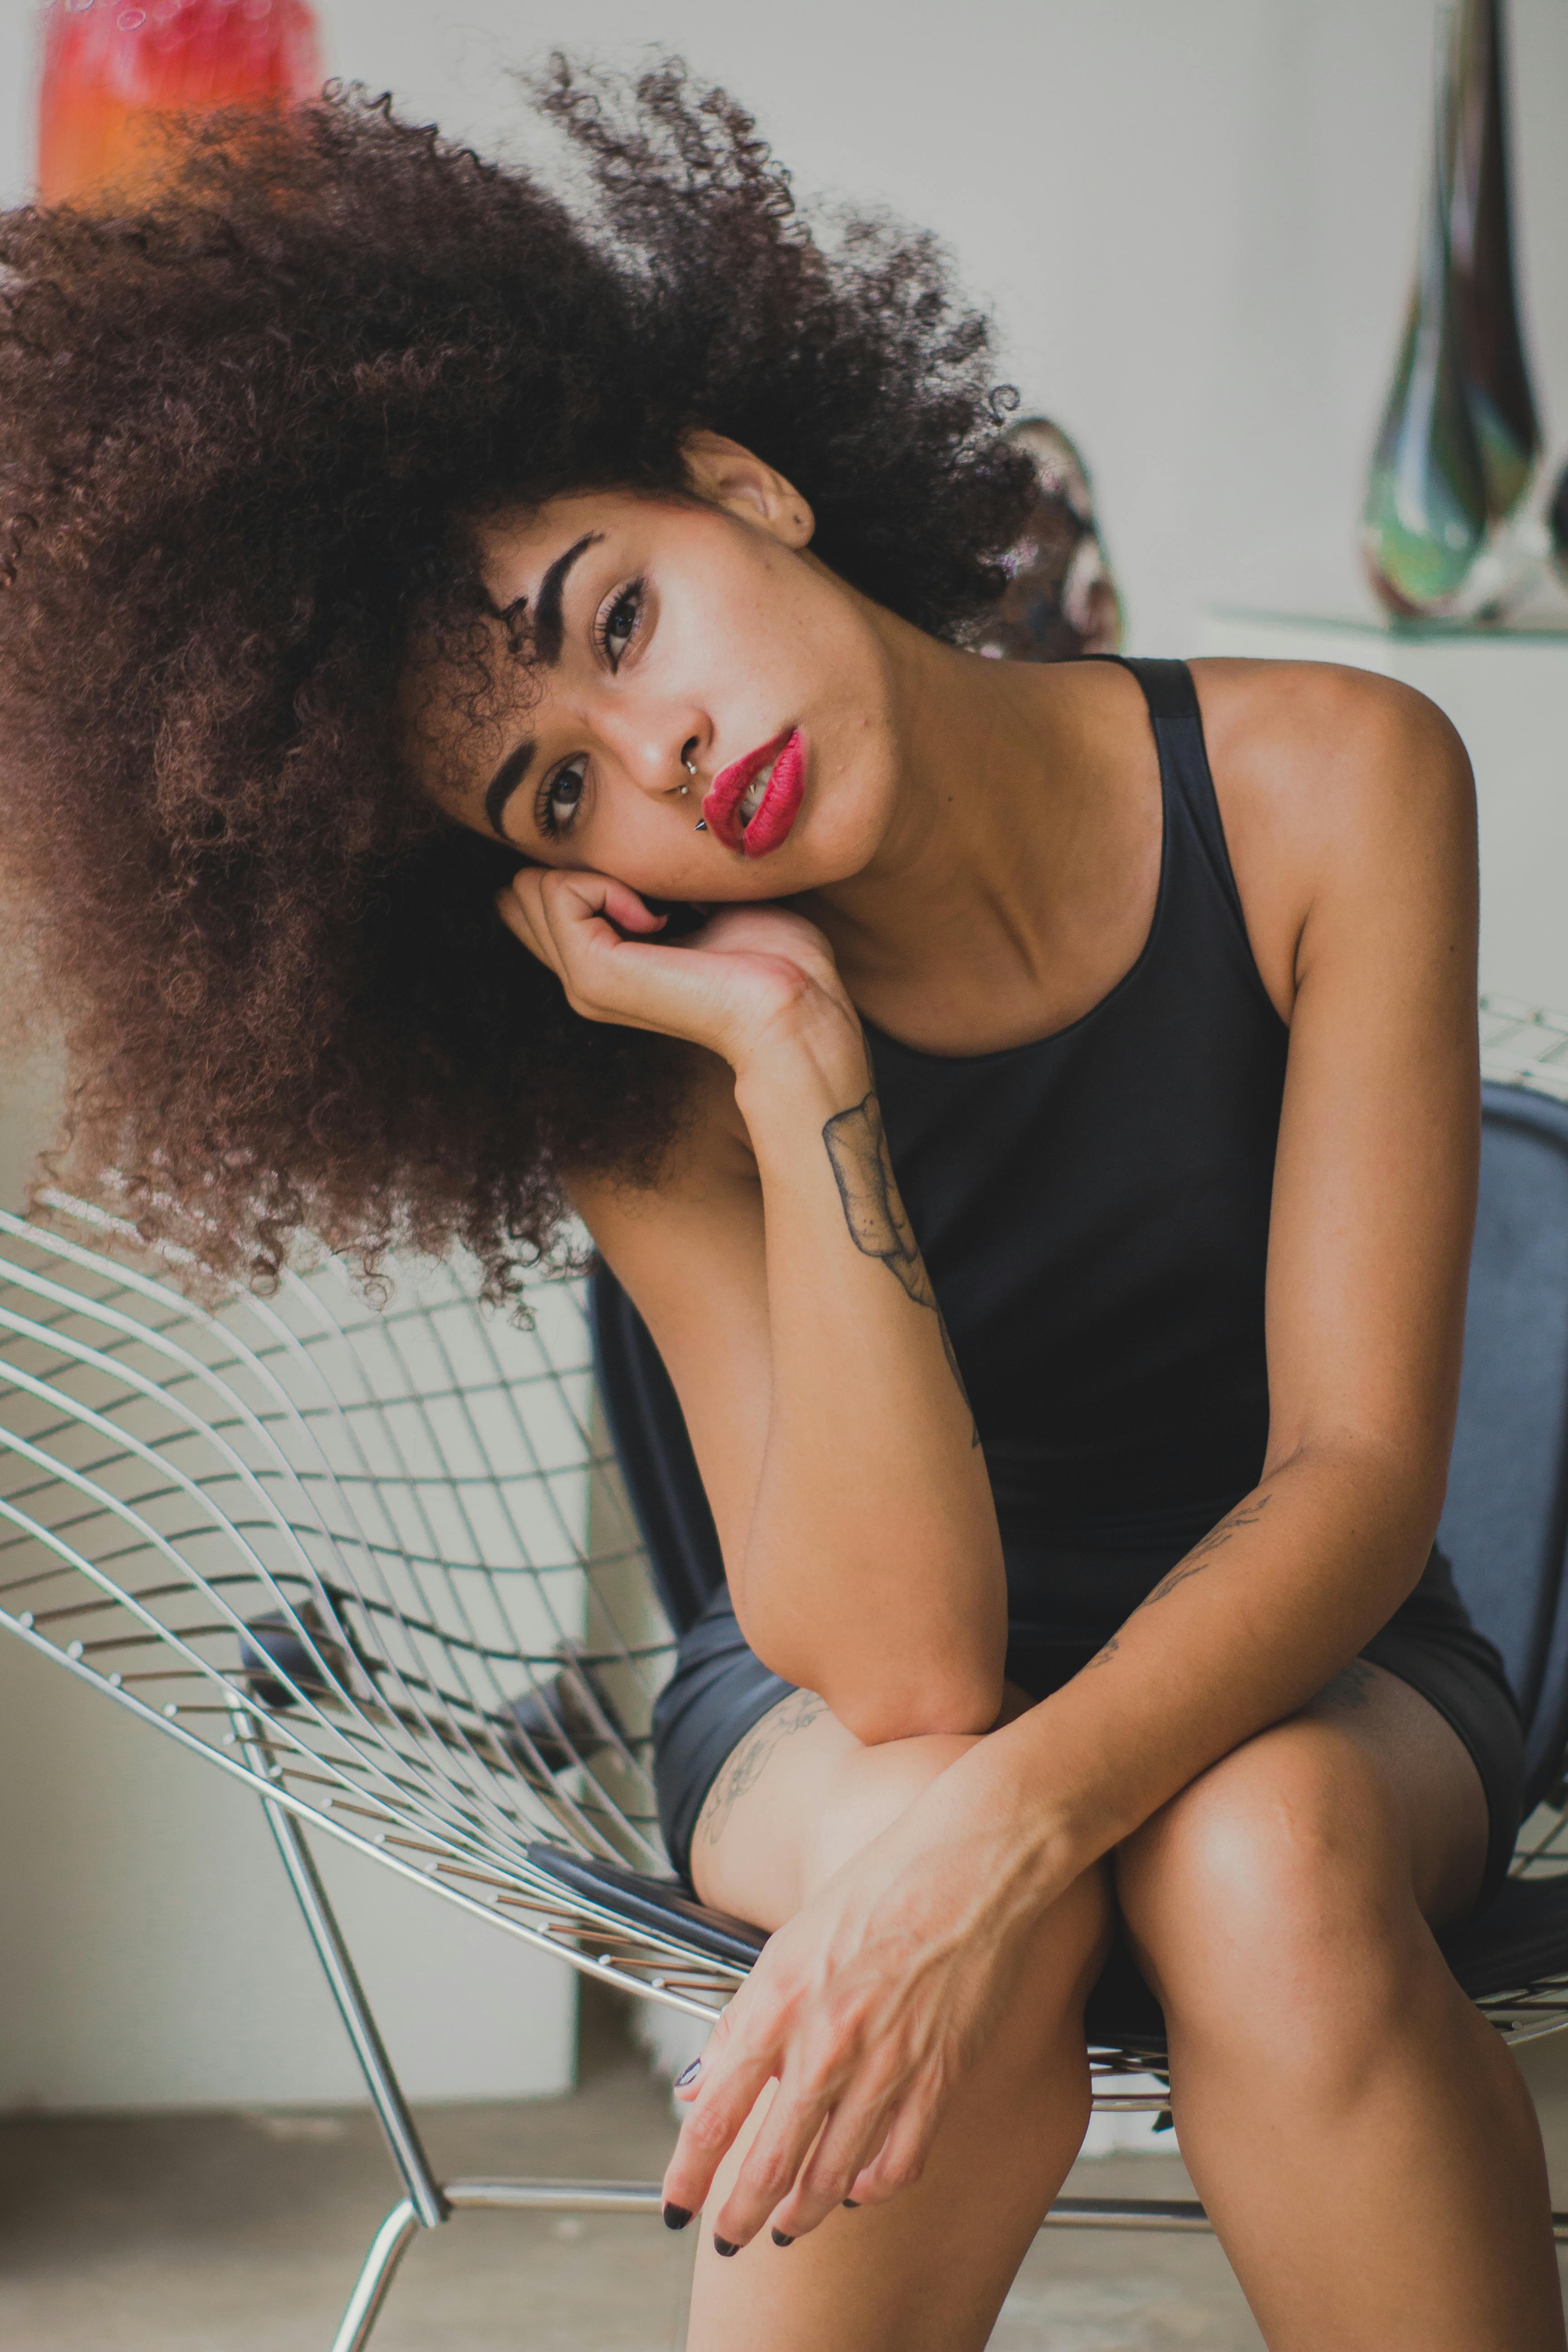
684 790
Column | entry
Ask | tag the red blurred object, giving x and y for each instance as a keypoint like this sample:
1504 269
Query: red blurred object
110 67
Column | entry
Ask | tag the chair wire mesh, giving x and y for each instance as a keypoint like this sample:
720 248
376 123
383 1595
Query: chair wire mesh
374 1560
1524 1046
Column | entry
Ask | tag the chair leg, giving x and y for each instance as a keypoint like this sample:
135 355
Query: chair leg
425 2207
425 2197
389 2245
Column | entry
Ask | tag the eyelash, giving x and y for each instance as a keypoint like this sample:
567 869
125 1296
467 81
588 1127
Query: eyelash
550 826
633 593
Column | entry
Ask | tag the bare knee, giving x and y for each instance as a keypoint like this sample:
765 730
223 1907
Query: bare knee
1270 1905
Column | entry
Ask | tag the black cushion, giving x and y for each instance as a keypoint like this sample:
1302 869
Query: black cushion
1506 1520
661 1904
647 1429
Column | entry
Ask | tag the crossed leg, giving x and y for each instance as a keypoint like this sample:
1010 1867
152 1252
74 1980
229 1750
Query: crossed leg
927 2271
1363 2142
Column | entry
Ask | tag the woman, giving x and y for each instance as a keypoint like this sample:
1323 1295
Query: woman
389 546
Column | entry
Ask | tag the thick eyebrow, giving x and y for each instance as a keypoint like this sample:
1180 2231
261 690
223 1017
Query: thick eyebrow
505 781
548 631
547 623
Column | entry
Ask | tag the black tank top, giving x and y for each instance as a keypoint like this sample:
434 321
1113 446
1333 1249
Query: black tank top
1093 1210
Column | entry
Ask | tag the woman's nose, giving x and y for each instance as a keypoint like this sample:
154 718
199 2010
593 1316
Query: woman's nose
667 761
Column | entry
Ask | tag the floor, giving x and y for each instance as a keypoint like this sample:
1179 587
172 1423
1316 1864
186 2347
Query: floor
236 2233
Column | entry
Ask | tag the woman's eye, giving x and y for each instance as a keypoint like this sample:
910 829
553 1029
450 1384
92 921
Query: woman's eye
561 801
621 622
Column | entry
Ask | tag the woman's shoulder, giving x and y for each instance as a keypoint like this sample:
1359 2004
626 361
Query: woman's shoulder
1306 712
1333 783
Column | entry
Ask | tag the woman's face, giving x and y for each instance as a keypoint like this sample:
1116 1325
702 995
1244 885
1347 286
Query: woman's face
688 659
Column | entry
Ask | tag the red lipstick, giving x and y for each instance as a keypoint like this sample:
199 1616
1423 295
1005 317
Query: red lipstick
769 825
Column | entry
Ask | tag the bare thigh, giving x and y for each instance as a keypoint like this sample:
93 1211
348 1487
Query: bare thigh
795 1799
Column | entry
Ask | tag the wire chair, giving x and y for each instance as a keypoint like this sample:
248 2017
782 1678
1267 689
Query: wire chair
378 1564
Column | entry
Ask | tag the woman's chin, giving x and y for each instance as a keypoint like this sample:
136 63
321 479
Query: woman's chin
730 879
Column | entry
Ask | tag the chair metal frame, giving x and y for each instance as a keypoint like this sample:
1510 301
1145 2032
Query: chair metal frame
377 1566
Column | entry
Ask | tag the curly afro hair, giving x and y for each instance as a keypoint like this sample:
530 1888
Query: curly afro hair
244 433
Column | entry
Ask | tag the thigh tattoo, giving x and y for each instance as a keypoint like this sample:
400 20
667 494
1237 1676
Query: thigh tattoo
744 1767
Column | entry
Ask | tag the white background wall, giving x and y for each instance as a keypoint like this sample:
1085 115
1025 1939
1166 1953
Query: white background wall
1195 219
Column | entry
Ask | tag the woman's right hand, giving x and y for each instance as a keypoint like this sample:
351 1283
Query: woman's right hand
751 974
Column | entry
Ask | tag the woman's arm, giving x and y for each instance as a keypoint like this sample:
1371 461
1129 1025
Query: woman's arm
779 1277
1365 922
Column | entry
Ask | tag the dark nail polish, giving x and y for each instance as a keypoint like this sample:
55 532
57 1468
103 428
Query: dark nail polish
723 2246
850 2206
780 2239
676 2217
690 2076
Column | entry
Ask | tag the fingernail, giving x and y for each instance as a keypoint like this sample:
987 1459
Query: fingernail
850 2206
780 2239
723 2246
676 2217
690 2076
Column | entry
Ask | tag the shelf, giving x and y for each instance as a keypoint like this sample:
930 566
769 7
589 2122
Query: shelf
1375 624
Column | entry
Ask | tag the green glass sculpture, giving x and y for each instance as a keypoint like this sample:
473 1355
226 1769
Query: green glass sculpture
1481 244
1459 437
1424 520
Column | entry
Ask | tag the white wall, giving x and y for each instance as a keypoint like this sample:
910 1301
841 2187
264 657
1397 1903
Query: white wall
1195 218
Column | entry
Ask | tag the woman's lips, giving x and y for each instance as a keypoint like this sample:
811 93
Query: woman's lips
779 804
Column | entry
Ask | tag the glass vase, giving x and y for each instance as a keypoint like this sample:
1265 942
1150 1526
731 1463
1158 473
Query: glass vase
1481 244
1459 438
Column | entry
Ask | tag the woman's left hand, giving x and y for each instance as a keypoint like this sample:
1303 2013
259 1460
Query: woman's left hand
867 2007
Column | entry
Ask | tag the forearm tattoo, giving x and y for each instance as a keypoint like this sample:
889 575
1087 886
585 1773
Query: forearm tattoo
743 1767
862 1169
1245 1515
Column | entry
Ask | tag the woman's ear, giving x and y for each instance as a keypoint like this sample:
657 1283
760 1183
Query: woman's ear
728 475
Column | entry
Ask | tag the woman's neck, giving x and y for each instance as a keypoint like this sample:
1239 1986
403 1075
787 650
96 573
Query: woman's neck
1016 882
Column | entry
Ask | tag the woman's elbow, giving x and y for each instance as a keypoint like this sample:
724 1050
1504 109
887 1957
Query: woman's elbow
960 1700
951 1711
